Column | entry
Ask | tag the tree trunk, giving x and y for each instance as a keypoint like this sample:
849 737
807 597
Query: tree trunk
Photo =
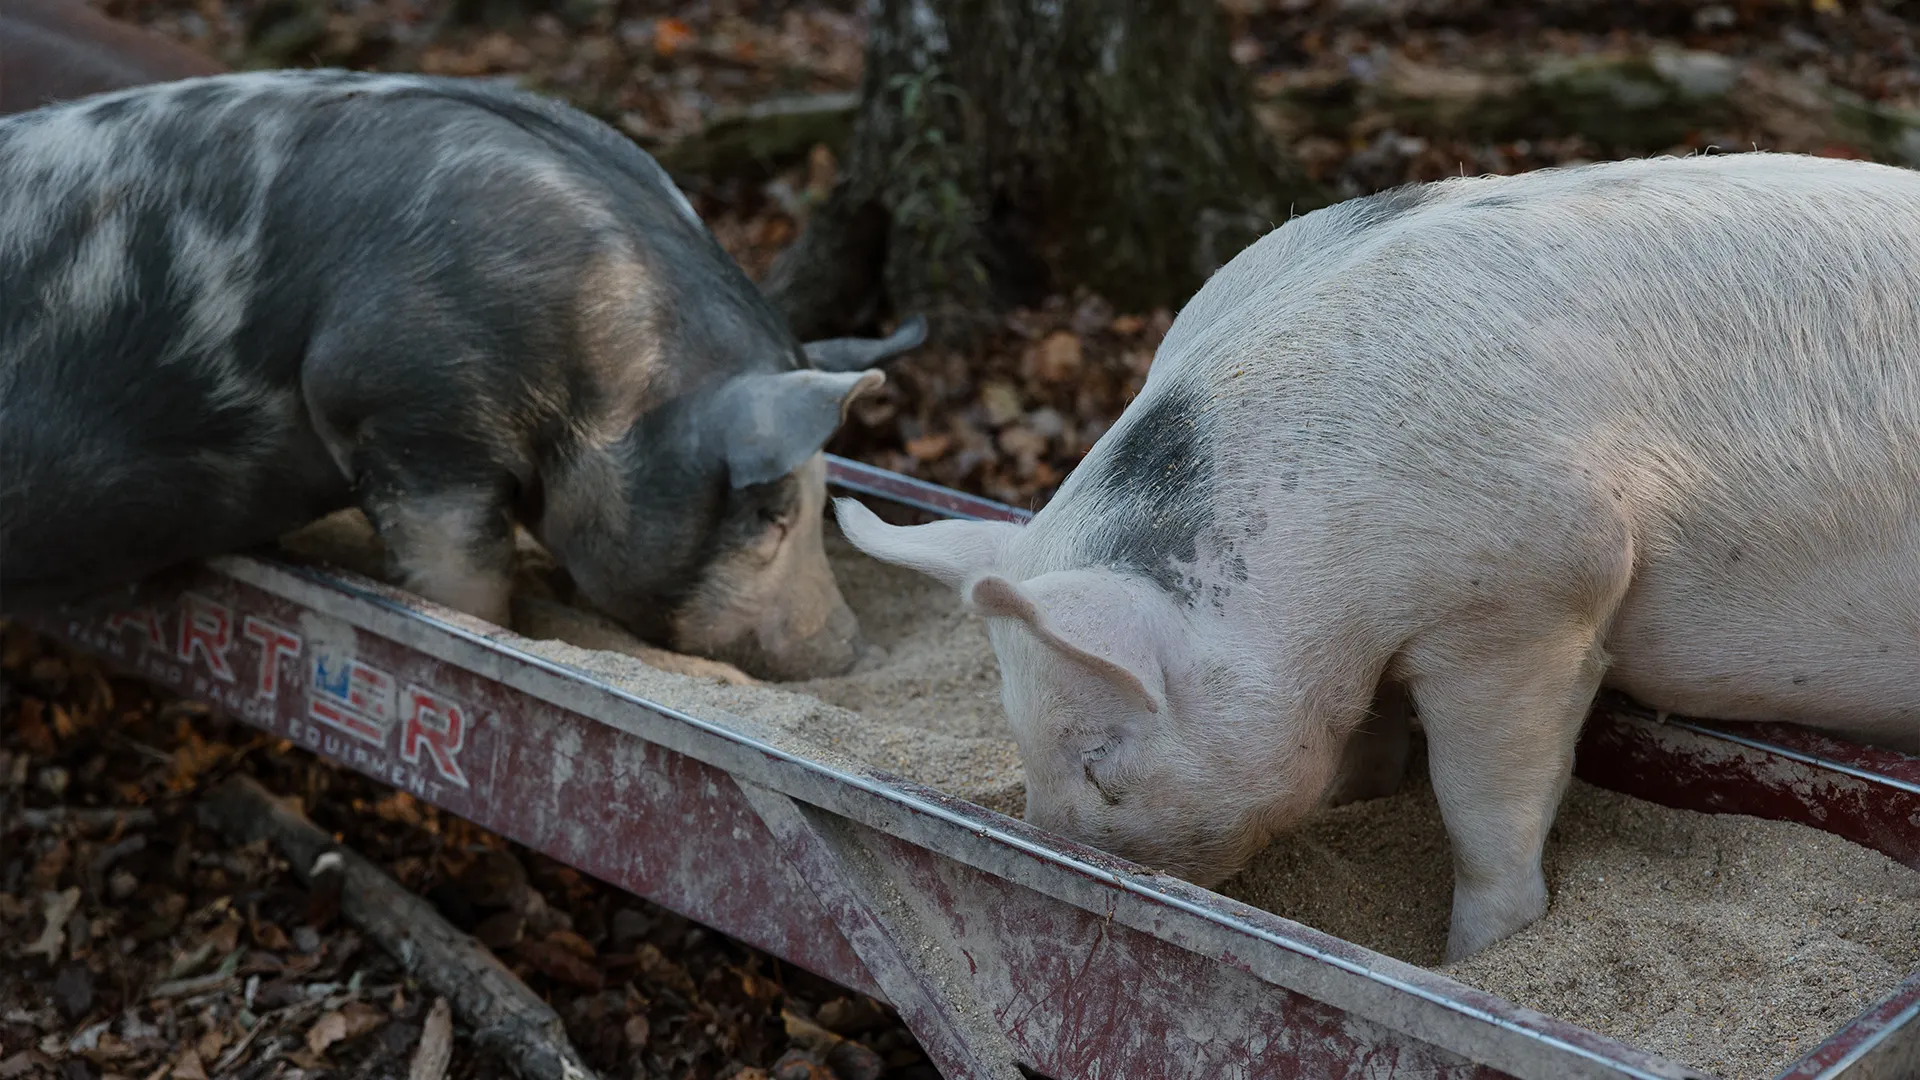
1008 148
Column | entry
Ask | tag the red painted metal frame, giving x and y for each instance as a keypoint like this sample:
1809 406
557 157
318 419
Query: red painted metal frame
998 943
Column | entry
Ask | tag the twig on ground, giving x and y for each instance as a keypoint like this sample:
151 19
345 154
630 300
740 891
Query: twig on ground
218 979
135 817
506 1018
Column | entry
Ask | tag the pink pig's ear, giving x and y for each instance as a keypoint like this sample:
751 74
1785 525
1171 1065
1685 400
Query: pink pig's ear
950 552
1121 654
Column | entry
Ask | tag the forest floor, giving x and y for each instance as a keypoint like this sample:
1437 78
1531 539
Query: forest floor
141 944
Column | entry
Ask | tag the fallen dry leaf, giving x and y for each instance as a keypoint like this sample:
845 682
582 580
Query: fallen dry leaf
808 1034
1002 401
362 1018
210 1045
57 908
757 986
670 35
851 1016
225 937
32 729
851 1060
501 931
930 447
1056 359
351 1022
399 807
189 1066
435 1052
48 868
556 962
193 757
326 1031
270 937
573 943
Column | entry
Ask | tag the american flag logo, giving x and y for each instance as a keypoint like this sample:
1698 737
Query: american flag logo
351 697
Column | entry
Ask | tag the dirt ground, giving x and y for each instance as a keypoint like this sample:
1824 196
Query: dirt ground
141 945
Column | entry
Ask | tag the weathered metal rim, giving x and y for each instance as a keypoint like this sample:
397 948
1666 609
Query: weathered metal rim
879 787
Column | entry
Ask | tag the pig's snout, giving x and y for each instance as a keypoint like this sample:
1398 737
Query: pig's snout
787 653
831 649
845 645
791 630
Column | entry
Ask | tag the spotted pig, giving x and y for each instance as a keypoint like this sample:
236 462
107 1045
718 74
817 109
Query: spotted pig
231 305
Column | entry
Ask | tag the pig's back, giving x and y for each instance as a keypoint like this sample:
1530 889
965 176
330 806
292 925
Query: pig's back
1723 353
169 254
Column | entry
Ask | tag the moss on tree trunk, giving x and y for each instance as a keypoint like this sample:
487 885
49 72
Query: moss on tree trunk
1005 148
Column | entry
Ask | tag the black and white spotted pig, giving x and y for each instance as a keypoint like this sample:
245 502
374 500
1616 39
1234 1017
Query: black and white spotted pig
231 305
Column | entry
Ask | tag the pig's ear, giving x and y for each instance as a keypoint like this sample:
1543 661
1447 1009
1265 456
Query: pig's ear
858 354
949 552
769 424
1090 623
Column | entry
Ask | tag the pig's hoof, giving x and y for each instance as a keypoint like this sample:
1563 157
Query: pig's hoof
733 676
1484 916
698 666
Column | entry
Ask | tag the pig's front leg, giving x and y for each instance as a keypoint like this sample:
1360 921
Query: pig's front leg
454 547
1501 724
1373 764
435 488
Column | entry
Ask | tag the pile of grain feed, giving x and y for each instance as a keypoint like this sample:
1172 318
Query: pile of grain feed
1730 943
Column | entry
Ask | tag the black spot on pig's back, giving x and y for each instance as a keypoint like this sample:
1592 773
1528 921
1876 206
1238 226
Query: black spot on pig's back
1154 489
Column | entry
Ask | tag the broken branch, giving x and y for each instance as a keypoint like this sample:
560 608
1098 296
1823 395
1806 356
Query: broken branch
506 1018
85 819
763 135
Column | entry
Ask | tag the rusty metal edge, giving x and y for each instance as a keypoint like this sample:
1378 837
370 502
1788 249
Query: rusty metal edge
1882 1043
1421 1003
864 479
1823 762
1843 1054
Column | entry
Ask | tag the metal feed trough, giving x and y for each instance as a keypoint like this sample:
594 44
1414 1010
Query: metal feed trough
996 942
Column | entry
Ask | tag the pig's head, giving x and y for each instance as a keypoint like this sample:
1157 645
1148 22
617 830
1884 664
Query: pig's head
1134 740
700 530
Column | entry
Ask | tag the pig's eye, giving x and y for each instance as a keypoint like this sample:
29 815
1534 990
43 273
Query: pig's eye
774 526
1087 760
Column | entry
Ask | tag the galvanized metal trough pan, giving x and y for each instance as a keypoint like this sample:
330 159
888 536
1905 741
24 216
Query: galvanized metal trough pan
1005 949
